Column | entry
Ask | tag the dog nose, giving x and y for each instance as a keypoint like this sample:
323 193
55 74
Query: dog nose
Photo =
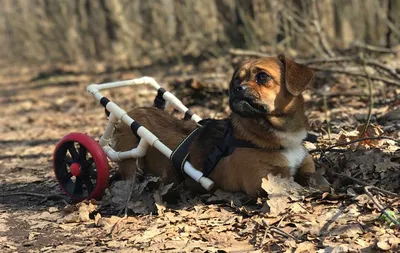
238 89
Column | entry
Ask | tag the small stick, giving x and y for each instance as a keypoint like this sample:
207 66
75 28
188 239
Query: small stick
392 194
240 52
264 237
283 233
353 141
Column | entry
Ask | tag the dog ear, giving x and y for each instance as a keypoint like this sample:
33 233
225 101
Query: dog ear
297 77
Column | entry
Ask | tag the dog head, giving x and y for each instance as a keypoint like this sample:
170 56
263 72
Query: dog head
268 87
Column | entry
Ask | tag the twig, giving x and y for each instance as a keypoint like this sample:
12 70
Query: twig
114 228
277 230
283 233
327 60
383 67
371 101
373 48
349 177
353 141
264 237
378 204
240 52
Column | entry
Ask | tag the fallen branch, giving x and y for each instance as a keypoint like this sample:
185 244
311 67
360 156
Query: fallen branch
343 71
382 209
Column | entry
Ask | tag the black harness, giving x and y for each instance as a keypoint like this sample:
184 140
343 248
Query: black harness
223 148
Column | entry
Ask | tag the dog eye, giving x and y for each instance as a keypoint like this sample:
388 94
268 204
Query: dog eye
262 77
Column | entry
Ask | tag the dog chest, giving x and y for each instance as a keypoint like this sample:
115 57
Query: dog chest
294 156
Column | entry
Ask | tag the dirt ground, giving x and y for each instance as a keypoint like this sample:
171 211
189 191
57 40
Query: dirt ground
40 105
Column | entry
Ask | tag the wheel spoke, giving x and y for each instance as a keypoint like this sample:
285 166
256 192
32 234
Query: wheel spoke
66 176
82 154
78 186
93 173
88 183
73 152
69 186
91 168
68 160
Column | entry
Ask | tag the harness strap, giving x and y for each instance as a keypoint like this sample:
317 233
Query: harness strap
181 154
225 148
159 101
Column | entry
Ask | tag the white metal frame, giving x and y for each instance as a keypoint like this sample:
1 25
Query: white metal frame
147 138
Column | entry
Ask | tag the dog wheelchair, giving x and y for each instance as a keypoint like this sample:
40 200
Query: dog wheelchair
81 164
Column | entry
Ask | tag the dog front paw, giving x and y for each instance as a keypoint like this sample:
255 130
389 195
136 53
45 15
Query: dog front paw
314 180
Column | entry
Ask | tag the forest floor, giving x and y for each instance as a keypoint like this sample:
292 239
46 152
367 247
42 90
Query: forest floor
40 105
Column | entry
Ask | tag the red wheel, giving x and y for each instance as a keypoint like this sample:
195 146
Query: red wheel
81 167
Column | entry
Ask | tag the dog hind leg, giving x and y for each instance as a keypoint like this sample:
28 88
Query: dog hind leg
124 140
127 169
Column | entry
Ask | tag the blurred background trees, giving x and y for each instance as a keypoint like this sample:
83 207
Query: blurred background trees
136 32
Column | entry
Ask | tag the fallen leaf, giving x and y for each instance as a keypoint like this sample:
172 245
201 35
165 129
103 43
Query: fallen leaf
305 247
281 191
166 188
383 245
348 231
97 219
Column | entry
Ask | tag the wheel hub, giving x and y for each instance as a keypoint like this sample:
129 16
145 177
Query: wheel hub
75 169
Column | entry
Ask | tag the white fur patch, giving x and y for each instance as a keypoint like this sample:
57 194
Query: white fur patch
289 140
294 151
295 156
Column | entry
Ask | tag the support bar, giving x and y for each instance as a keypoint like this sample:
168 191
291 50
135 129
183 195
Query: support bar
147 138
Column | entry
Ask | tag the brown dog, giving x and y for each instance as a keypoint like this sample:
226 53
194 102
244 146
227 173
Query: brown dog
267 111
